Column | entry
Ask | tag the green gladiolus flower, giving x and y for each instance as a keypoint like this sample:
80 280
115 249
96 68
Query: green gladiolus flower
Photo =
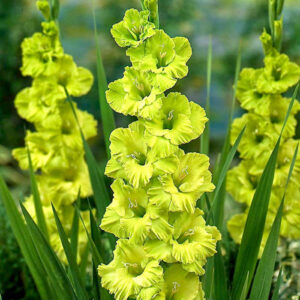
130 215
163 239
278 75
55 145
134 29
131 271
185 186
40 103
40 52
76 80
137 157
138 93
163 55
257 141
180 284
178 120
240 184
260 93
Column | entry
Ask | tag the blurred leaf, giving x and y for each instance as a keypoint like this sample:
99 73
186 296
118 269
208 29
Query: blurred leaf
96 236
75 228
277 286
57 274
264 273
253 231
96 285
100 192
54 5
76 276
84 262
5 155
245 288
215 207
37 199
205 137
107 115
25 242
220 279
97 259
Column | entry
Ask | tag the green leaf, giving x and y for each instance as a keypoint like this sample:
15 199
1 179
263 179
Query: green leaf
37 199
221 177
220 278
264 273
75 228
245 288
290 107
97 238
277 286
84 262
100 192
263 277
280 4
272 15
205 137
54 6
75 273
24 240
97 258
252 236
96 285
107 116
57 274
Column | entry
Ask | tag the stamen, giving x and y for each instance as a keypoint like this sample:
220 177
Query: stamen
132 204
170 115
176 285
162 54
129 265
189 232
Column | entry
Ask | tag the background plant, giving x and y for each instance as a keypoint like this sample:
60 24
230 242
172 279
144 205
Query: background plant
262 92
56 150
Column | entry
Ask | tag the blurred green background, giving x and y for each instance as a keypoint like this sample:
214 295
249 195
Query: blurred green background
228 22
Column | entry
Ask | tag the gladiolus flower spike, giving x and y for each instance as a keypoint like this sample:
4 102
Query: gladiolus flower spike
55 147
163 239
260 93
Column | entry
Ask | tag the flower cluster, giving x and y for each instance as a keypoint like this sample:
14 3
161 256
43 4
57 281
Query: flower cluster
163 239
56 147
260 92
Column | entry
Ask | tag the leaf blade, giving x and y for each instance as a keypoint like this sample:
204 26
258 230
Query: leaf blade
75 273
58 275
26 245
107 117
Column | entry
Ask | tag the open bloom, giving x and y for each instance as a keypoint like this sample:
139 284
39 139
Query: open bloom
162 55
180 190
130 215
134 28
138 93
137 157
132 268
178 120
